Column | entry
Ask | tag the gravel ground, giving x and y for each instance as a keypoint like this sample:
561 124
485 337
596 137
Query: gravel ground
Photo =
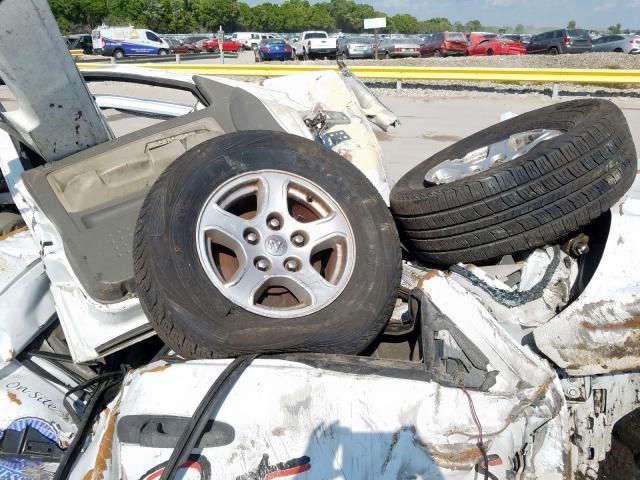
456 88
585 60
446 88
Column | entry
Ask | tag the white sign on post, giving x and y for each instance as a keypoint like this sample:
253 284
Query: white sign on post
371 23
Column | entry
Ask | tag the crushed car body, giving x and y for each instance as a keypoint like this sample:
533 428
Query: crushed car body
228 286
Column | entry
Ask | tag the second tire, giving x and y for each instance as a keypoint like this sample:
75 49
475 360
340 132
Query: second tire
539 197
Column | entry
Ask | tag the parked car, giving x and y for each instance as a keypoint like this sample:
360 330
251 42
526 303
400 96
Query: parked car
176 46
249 40
273 49
564 40
355 47
399 48
617 43
516 37
444 44
81 42
480 45
315 44
212 45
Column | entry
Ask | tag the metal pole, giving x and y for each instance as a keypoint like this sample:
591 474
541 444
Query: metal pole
375 34
221 44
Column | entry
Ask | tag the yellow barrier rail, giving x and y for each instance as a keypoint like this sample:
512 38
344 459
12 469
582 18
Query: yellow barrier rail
76 53
407 73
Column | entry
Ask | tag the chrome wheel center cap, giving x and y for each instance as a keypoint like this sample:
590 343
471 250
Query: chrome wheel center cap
276 245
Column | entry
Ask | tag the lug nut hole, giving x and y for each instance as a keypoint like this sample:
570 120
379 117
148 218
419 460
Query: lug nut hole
299 239
292 265
263 264
251 236
275 221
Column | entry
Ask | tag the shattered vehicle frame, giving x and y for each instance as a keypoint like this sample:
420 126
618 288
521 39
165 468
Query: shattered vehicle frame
512 370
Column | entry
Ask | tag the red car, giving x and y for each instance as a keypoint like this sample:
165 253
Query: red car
492 45
182 47
444 44
211 45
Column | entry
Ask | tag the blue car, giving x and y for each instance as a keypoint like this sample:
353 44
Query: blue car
273 49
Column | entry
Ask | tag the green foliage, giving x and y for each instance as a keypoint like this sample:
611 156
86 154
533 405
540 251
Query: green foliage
187 16
439 24
615 29
403 23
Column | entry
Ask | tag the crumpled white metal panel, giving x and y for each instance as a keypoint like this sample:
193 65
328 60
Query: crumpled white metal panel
600 332
26 305
344 425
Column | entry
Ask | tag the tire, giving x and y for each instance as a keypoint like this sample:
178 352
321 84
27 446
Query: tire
9 222
618 50
216 50
198 319
305 55
556 188
489 53
437 53
387 56
553 51
191 51
118 53
162 52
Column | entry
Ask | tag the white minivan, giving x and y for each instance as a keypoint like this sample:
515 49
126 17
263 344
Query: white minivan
121 41
249 40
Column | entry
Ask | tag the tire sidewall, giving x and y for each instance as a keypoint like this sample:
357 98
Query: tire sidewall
213 319
541 118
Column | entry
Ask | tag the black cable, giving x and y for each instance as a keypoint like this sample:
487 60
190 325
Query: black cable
206 410
70 455
81 387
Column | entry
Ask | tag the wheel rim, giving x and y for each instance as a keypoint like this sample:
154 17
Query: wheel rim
275 244
489 156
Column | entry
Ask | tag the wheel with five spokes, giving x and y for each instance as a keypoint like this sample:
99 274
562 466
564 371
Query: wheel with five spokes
263 242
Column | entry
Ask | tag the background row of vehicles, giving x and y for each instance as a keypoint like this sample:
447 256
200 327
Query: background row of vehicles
123 41
444 44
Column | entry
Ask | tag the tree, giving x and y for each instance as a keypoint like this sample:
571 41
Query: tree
212 14
266 17
571 24
348 16
519 28
321 18
473 26
615 29
296 15
403 23
438 24
245 16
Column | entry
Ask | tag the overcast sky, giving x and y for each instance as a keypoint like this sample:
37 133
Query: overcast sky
587 13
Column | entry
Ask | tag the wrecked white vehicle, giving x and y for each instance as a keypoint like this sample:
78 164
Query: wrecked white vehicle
252 222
